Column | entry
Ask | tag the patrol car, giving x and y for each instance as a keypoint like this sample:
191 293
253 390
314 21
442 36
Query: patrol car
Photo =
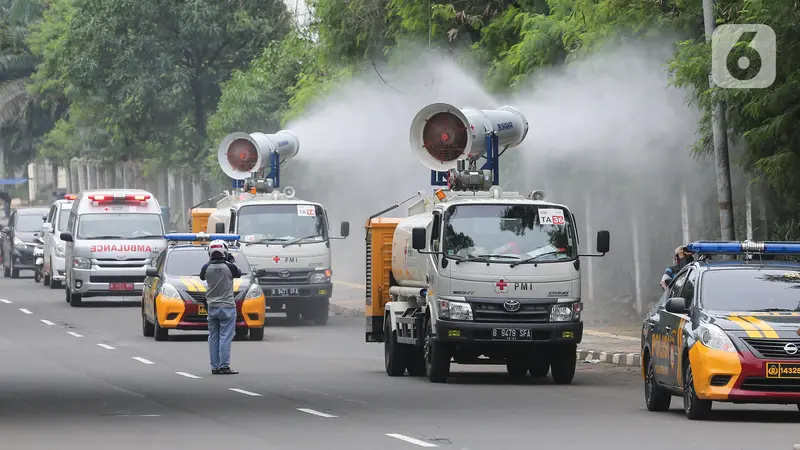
174 297
726 331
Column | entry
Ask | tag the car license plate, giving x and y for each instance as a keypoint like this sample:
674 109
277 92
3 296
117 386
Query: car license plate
282 292
201 310
120 286
511 334
783 370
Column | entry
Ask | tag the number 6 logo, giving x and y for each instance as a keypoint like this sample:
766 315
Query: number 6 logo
753 62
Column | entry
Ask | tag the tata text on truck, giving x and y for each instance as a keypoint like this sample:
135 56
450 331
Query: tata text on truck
112 236
287 237
475 275
54 248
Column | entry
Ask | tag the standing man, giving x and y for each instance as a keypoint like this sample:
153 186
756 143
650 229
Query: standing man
219 273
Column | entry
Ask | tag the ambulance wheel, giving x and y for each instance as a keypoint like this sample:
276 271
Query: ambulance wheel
148 329
161 334
655 398
46 280
437 356
55 284
257 334
74 300
394 354
562 365
694 407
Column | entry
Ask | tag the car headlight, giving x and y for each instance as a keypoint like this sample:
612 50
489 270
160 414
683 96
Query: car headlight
454 310
566 312
254 291
81 263
60 249
19 244
713 337
168 290
323 276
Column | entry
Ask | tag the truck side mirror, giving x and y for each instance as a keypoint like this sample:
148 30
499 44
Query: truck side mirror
151 271
219 228
603 241
345 229
676 305
261 273
418 235
66 237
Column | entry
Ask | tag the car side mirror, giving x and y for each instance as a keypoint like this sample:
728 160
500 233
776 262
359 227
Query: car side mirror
603 241
47 228
44 217
151 271
66 237
676 305
219 228
418 235
260 273
345 229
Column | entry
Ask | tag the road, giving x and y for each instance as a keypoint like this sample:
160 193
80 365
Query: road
85 378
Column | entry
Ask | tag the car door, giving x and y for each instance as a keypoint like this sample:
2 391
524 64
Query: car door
664 334
674 325
151 286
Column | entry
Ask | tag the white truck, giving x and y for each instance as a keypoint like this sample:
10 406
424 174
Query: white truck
476 275
287 237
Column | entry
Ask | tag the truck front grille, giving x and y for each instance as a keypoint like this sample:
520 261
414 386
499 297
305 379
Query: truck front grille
494 312
296 276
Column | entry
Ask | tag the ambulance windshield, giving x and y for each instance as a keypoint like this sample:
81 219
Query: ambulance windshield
282 223
120 226
509 233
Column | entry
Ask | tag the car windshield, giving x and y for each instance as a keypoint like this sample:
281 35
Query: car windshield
187 263
282 223
518 232
29 223
63 218
119 226
751 290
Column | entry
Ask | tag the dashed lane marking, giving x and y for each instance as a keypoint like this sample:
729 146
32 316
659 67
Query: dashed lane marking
142 360
72 333
187 375
411 440
47 322
315 412
25 311
106 346
242 391
7 302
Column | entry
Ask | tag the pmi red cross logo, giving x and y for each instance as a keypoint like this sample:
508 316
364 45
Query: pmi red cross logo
501 286
276 259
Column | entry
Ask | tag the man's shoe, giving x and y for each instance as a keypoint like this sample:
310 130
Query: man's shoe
227 371
214 371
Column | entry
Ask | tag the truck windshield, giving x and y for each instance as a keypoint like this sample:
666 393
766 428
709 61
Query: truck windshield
187 263
282 223
119 226
751 290
509 232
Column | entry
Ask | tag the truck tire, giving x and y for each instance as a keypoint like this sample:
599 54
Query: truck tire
416 361
437 357
321 312
394 354
257 334
562 365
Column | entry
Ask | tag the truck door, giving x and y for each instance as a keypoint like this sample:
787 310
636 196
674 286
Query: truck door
440 263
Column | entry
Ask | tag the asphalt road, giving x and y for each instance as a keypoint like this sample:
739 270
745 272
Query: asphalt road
86 378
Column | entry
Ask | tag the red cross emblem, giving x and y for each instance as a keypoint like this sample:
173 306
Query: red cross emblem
276 258
106 209
500 286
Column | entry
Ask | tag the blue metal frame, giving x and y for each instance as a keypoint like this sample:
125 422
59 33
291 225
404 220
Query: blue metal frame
274 172
492 163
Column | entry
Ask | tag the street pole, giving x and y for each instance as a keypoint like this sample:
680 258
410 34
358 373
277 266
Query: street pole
719 131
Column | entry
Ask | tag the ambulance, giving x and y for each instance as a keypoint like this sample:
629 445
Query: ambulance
112 237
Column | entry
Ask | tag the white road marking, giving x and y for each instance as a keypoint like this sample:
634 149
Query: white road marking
142 360
411 440
25 311
315 412
242 391
7 302
106 346
72 333
187 375
47 322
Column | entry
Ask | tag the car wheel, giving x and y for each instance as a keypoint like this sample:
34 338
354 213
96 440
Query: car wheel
257 334
655 398
694 407
14 271
148 329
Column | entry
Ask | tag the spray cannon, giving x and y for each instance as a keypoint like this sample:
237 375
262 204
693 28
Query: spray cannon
241 154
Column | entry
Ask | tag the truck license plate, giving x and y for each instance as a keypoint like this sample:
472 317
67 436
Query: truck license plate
511 334
282 292
783 370
120 286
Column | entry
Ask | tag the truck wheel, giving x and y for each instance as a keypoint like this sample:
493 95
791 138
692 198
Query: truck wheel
416 361
694 407
257 334
655 398
562 366
394 355
322 312
437 357
539 368
517 370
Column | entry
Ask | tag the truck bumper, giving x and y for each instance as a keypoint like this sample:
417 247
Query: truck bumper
458 332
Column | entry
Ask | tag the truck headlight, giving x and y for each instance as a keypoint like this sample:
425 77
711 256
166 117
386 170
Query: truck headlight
169 291
713 337
454 310
60 249
81 263
254 291
566 312
323 276
18 244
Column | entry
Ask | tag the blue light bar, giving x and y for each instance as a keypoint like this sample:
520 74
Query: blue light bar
191 237
733 247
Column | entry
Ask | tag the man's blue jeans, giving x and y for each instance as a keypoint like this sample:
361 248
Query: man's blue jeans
221 329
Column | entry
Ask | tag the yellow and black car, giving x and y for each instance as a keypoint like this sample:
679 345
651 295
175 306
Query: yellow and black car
174 297
726 331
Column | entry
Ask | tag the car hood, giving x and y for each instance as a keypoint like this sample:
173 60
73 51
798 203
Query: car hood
195 284
774 325
25 236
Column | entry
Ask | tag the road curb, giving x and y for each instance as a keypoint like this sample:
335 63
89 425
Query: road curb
583 355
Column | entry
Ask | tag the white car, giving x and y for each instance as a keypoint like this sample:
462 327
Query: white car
54 248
